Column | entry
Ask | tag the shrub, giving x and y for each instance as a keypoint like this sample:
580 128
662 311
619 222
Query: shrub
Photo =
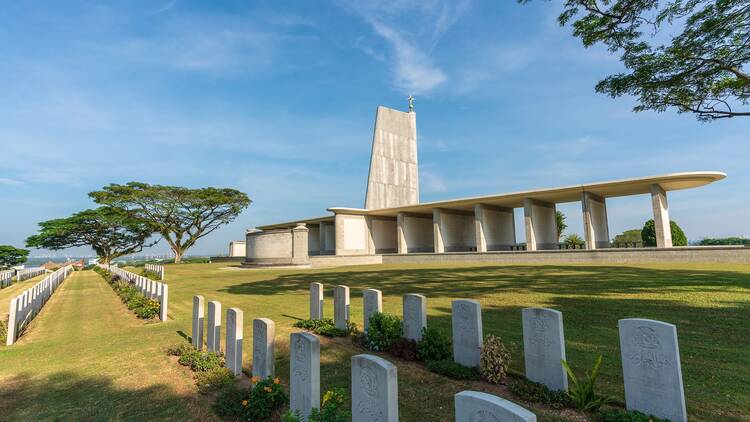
404 348
453 370
582 393
180 349
229 402
434 345
265 396
148 309
383 330
331 410
325 327
200 361
214 379
528 390
494 360
3 331
648 234
620 415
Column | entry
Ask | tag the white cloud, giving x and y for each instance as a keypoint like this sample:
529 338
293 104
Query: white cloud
10 182
431 182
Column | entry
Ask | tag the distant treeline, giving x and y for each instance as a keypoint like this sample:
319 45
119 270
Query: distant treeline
724 241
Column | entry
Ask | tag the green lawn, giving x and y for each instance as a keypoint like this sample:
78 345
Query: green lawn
87 357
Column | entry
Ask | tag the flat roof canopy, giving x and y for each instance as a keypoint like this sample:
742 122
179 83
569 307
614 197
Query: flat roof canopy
609 189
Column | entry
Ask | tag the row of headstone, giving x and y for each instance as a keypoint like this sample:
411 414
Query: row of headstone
650 353
264 333
156 269
151 289
28 273
6 278
24 307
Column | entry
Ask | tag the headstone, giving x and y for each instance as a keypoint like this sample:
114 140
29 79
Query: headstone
264 331
198 311
415 316
374 389
304 377
341 307
651 368
233 344
544 347
164 302
373 303
473 406
467 331
213 327
316 301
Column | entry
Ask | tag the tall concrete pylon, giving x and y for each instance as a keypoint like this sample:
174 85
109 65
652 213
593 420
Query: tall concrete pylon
394 173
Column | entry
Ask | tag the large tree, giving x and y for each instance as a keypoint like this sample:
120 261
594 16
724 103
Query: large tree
111 232
10 256
692 55
180 215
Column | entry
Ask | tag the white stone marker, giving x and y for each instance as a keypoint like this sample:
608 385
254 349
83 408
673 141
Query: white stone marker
213 327
341 307
373 303
198 313
316 301
304 377
233 344
374 389
415 316
466 316
473 406
544 347
164 302
651 368
264 331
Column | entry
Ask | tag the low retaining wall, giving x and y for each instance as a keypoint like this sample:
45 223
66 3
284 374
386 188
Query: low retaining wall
338 261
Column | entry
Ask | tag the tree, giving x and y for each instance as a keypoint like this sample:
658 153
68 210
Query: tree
701 66
648 234
573 240
10 256
628 236
111 232
560 222
180 215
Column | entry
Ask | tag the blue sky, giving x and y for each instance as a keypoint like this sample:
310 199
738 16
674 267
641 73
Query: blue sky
277 99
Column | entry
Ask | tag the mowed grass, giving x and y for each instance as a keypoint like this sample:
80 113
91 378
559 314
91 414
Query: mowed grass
87 353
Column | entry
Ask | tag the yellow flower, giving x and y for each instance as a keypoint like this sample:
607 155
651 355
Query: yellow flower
255 379
277 381
327 396
244 403
267 389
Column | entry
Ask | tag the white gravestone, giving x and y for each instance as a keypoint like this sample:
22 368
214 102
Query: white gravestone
234 340
544 347
304 377
213 327
373 303
415 316
264 331
198 315
651 368
164 302
374 389
467 331
316 301
473 406
341 307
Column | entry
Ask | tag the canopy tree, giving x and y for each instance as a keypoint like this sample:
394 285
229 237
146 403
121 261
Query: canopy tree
692 55
181 215
10 256
111 232
560 223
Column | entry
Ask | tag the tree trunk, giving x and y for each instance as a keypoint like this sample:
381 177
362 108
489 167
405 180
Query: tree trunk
177 256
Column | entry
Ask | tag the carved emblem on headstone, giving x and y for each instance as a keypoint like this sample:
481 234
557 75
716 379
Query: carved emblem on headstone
483 416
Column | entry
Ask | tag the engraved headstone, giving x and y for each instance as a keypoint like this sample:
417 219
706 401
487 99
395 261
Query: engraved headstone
234 340
374 389
198 315
373 303
304 377
466 316
164 302
316 301
473 406
213 327
341 307
415 316
544 347
264 331
651 368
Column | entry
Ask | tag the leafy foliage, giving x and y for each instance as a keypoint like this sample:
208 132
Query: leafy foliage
111 232
3 331
560 223
201 361
700 68
528 390
382 331
180 349
724 241
434 345
214 379
648 234
141 306
494 359
573 240
582 393
332 409
10 256
628 236
325 327
254 404
180 215
453 370
620 415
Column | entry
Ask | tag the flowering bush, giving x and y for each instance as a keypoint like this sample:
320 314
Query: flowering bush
434 345
257 403
201 361
325 327
331 410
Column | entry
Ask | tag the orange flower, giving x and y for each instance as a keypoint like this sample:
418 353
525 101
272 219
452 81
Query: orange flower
255 379
267 389
277 381
244 403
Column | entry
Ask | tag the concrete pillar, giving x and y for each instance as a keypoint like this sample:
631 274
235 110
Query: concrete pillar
299 245
402 247
541 226
495 228
661 217
437 230
595 227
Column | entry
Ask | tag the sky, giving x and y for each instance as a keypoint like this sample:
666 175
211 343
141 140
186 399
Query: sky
278 99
